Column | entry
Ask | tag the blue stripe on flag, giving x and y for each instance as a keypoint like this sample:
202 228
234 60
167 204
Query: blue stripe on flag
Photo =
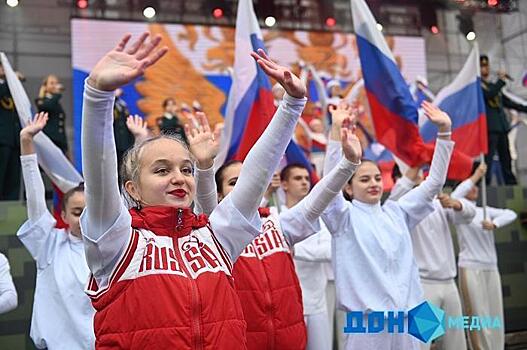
383 79
464 107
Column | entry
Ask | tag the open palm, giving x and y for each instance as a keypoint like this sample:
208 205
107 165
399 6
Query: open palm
283 75
341 112
122 65
36 125
204 144
350 142
436 115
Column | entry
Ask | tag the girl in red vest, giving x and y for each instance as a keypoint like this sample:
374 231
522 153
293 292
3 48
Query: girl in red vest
264 274
162 276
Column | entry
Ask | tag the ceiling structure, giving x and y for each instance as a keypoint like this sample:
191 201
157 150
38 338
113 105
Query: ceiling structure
405 17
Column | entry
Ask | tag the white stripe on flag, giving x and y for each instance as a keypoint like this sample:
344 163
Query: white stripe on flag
244 71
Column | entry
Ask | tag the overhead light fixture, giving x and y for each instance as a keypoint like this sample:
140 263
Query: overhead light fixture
270 21
149 12
12 3
471 36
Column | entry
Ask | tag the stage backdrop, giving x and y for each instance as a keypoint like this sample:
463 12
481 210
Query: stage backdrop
200 58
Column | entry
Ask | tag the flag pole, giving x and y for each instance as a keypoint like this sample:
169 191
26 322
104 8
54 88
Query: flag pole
483 188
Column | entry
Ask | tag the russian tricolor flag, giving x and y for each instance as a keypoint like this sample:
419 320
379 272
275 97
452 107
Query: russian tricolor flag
393 109
250 106
463 101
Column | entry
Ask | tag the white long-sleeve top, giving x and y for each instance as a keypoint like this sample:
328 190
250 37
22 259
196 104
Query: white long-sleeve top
303 229
432 239
8 295
62 313
310 257
477 248
373 257
106 223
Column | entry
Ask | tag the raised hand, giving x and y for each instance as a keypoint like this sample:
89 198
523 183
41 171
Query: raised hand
437 116
350 142
122 65
138 127
283 75
34 126
204 144
340 113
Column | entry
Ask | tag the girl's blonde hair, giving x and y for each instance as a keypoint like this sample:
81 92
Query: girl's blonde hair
42 90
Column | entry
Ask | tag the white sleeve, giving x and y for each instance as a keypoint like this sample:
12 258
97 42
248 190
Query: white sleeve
463 216
335 216
315 249
255 175
8 295
417 203
501 217
103 219
462 189
35 191
206 193
234 230
309 209
39 238
402 186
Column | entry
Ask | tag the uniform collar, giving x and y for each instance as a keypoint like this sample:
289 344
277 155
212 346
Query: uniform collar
366 206
167 221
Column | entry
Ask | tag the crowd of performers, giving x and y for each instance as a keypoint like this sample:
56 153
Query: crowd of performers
168 253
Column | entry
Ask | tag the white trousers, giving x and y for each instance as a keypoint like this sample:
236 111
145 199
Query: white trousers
337 318
446 296
318 336
481 295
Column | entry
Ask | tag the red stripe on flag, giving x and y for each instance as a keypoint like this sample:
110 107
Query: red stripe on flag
471 138
397 134
261 114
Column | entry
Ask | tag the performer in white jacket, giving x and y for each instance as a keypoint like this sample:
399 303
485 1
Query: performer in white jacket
373 257
62 313
479 277
435 257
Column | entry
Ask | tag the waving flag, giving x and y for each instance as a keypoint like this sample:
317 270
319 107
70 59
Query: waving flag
393 110
463 101
250 106
59 169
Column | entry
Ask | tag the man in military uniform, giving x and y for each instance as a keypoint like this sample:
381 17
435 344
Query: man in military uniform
497 124
9 143
169 122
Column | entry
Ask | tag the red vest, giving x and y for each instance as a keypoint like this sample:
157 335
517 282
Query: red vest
171 289
269 290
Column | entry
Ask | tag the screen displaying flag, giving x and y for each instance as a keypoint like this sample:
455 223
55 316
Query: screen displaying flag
393 110
463 101
250 106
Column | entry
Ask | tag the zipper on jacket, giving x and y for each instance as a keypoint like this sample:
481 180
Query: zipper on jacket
195 302
179 222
